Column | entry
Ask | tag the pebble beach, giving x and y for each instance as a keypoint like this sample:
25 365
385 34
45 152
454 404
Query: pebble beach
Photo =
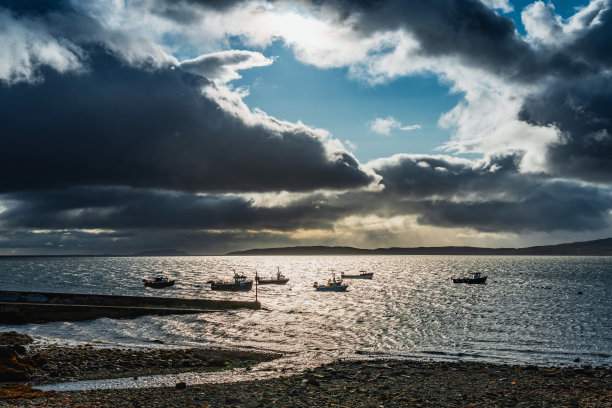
366 383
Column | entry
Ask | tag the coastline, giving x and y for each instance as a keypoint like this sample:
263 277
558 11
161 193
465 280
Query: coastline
369 384
359 383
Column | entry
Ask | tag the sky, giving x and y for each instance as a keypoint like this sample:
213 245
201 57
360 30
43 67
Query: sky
214 126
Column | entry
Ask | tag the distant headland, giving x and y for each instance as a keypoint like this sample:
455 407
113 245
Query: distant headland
161 252
600 247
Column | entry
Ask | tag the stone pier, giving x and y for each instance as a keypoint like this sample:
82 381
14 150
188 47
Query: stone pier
31 307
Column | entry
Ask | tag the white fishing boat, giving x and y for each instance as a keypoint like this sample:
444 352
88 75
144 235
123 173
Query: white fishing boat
280 279
332 285
240 284
473 278
362 275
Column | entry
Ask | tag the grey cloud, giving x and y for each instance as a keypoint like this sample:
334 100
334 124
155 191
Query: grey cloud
478 36
594 46
466 29
124 208
424 176
466 195
72 135
555 206
580 107
581 111
120 125
223 65
80 242
455 193
36 7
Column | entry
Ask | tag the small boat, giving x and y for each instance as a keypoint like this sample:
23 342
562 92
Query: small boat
333 285
240 284
362 275
279 280
159 282
474 278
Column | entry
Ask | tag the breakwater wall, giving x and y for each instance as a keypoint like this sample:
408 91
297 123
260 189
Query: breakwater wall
31 307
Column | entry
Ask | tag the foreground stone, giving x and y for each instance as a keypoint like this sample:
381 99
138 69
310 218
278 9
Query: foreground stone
13 338
372 384
15 364
44 364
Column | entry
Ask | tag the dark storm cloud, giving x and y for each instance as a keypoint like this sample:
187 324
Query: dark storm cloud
489 196
123 208
573 69
555 206
465 29
58 242
486 196
422 176
575 75
463 195
581 111
107 154
119 125
594 46
35 7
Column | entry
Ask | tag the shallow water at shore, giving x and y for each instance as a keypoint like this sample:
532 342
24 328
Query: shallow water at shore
289 364
529 312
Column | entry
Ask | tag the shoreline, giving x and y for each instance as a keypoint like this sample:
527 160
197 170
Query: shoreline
368 384
353 383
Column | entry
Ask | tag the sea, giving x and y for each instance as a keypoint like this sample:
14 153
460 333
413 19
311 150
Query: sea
532 310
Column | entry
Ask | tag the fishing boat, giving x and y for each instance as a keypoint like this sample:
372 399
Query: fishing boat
333 285
473 278
279 280
362 275
240 284
159 282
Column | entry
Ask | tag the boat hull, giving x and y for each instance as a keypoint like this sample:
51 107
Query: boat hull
360 276
232 287
341 288
470 280
272 281
158 285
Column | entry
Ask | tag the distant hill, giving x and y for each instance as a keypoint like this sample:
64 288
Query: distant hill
161 252
600 247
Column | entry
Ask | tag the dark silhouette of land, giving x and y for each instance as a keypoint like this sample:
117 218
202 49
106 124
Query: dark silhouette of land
600 247
161 252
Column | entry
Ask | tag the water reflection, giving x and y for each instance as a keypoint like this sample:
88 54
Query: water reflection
528 312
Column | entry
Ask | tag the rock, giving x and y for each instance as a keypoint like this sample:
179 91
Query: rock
232 401
18 348
9 374
217 362
16 367
180 385
7 352
313 381
54 374
14 338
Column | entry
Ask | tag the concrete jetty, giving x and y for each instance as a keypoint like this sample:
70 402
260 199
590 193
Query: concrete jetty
31 307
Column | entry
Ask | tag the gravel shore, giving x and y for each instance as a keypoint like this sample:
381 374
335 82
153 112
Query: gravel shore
370 384
386 383
90 363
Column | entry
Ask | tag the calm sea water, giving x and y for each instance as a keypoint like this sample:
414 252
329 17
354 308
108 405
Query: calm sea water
528 312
